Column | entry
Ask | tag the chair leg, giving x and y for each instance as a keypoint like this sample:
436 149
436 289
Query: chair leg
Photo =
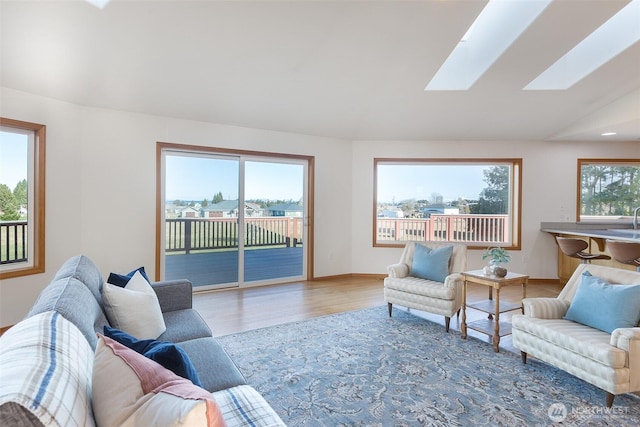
523 355
447 321
609 399
389 306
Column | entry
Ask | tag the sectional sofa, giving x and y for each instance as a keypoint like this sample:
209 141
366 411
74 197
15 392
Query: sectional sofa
48 375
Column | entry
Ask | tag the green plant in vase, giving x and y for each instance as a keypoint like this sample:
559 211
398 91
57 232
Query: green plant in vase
497 256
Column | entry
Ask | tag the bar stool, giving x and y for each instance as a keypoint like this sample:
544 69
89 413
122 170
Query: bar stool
574 248
625 252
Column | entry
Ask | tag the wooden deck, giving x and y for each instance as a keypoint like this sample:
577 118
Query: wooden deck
216 268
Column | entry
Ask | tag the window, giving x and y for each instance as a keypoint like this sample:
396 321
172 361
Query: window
22 197
470 201
608 189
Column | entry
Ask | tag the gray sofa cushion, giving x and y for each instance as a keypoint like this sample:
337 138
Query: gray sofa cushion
184 325
75 302
174 294
214 366
82 268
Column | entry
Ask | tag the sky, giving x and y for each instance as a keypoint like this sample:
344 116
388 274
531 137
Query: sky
198 178
13 158
402 182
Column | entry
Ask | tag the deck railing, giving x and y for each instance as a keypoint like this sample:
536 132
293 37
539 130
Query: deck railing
189 234
196 234
485 229
13 242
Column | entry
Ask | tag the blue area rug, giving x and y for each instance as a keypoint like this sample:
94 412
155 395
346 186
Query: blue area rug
363 368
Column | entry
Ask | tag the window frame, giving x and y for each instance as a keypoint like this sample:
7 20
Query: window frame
36 223
599 162
515 195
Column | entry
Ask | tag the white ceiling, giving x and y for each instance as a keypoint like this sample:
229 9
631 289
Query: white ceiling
347 69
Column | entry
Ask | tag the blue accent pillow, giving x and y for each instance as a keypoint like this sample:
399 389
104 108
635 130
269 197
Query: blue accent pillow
165 353
431 264
604 306
122 279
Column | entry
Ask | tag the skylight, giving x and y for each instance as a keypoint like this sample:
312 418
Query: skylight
599 47
499 24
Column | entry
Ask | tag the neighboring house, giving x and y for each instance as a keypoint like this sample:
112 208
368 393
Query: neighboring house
430 210
229 209
291 210
171 210
189 212
391 213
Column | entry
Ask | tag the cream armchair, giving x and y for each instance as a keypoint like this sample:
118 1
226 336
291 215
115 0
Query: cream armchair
610 361
444 298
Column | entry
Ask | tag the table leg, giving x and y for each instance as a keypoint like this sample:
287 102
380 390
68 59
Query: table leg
490 316
463 324
496 326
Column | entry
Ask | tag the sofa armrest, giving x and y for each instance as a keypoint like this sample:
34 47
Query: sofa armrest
453 280
628 339
545 308
623 338
398 270
173 294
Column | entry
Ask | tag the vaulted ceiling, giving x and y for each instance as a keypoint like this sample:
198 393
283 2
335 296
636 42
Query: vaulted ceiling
354 70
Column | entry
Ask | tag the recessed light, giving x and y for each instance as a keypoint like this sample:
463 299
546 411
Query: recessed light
608 134
100 4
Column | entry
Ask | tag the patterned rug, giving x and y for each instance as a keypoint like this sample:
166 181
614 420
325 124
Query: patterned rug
362 368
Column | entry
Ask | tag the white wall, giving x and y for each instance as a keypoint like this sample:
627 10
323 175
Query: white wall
548 185
101 164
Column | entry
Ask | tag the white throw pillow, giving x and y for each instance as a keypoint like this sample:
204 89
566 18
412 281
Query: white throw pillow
132 390
134 309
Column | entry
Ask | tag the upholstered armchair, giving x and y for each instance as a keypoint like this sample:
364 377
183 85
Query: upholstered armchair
590 330
427 278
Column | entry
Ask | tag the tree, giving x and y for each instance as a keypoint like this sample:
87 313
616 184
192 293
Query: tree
217 198
205 203
609 190
494 199
8 205
10 212
20 193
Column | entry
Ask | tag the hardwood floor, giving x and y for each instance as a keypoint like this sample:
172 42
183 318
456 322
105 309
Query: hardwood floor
236 310
231 311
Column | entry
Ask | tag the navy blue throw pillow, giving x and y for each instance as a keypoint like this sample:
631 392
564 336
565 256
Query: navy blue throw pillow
122 279
165 353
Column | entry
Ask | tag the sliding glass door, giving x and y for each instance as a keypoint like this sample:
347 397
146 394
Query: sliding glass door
274 221
201 218
232 220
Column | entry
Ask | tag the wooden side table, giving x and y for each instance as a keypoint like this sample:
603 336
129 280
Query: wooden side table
491 326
